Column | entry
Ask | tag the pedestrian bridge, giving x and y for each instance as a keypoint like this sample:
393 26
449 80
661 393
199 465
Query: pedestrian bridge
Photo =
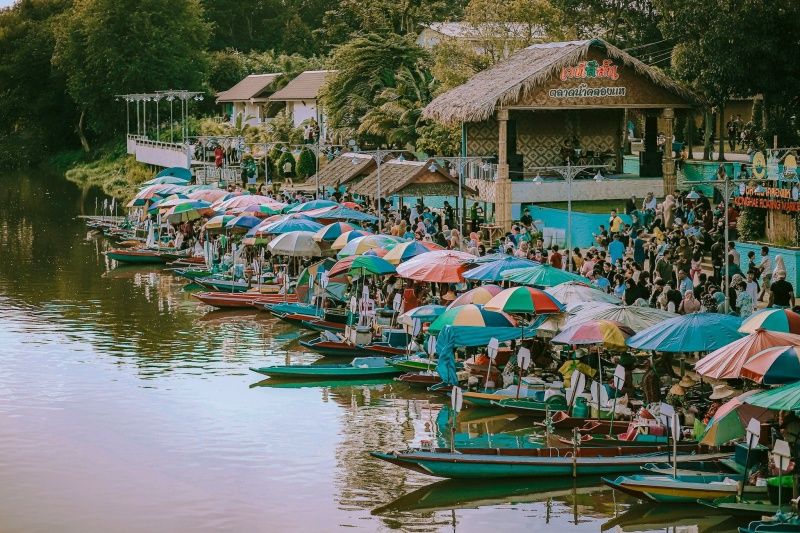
162 154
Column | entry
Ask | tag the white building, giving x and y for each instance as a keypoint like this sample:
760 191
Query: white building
301 96
250 99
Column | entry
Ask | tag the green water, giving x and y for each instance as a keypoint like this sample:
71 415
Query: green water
125 405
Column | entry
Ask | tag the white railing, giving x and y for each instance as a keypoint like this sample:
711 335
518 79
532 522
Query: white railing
210 175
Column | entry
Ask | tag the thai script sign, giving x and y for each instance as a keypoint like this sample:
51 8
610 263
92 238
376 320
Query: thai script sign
584 91
590 70
779 198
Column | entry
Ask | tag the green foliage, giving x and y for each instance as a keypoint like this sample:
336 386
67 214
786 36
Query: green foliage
751 223
281 129
625 24
286 157
117 174
306 163
110 47
436 139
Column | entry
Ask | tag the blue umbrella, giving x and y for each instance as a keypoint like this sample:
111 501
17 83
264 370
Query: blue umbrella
697 332
345 213
331 232
312 205
291 224
425 313
178 172
243 222
168 180
493 271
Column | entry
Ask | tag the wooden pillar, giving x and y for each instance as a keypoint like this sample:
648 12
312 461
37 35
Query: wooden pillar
668 162
503 183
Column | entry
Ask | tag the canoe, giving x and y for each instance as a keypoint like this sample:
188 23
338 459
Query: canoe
368 367
223 285
138 257
544 462
192 273
562 420
785 523
383 349
331 348
697 468
681 489
531 406
419 379
414 363
531 401
238 300
729 504
600 439
294 307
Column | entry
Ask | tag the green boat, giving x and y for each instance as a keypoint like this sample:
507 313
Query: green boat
681 489
743 508
138 257
192 273
416 362
367 367
532 406
780 523
291 383
222 284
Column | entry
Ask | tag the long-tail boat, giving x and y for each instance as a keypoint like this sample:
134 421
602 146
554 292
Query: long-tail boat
562 420
367 367
682 489
544 462
333 348
139 256
531 406
419 379
238 300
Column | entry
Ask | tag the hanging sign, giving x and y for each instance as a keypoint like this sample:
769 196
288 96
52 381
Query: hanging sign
778 198
456 399
590 70
524 358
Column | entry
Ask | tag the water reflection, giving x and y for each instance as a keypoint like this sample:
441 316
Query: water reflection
126 405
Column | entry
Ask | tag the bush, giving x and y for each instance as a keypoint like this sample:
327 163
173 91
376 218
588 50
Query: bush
286 157
752 223
306 164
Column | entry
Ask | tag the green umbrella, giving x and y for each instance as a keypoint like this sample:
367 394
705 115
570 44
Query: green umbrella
785 398
371 264
542 276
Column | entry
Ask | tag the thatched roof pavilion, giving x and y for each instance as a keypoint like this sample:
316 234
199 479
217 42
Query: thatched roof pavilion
550 101
344 168
409 178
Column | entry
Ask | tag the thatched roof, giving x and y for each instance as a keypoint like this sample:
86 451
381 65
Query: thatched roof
252 86
344 168
415 177
508 81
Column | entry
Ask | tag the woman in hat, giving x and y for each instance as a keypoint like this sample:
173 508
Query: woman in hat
719 396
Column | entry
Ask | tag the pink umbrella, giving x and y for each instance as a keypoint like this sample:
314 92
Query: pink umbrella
207 195
478 295
774 366
728 361
440 266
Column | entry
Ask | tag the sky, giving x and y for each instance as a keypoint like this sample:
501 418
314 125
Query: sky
6 3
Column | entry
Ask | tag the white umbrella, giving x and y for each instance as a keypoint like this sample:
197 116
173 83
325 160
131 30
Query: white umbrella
295 244
575 292
635 317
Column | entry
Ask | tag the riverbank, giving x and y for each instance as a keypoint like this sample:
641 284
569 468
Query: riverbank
109 167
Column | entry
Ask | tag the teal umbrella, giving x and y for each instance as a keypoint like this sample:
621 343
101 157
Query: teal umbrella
177 172
494 270
785 398
542 276
166 180
371 264
471 315
312 205
697 332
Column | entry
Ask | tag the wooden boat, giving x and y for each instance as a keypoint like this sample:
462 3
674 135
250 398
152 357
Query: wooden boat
697 468
333 348
532 406
536 397
324 325
139 256
192 273
367 367
223 285
681 489
238 300
415 363
544 462
761 507
419 379
383 349
784 523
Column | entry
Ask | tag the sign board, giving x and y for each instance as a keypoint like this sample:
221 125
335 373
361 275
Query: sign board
431 345
397 302
619 377
781 455
753 433
456 399
524 358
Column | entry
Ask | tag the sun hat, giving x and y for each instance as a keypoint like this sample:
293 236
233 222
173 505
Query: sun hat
677 390
721 392
687 382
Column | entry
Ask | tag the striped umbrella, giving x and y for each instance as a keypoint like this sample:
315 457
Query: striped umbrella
785 398
362 263
606 332
478 295
730 420
242 223
405 251
727 362
542 276
342 240
290 224
191 210
525 300
572 293
424 313
774 366
312 205
471 315
217 224
696 332
362 244
331 232
782 320
440 266
494 270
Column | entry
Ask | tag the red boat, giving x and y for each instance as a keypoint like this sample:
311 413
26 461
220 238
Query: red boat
562 420
233 300
420 379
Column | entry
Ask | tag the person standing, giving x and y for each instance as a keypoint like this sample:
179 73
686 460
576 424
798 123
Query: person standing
556 259
765 270
638 249
614 222
616 250
781 292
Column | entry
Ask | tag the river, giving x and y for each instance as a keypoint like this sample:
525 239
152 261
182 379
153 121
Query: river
125 405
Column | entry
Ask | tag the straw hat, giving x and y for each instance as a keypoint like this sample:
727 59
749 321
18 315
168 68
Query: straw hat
687 382
721 392
677 390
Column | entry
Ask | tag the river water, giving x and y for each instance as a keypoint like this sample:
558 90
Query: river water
125 405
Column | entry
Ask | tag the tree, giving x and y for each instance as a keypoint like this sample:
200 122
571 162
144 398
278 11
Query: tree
110 47
367 67
624 23
286 157
437 139
306 163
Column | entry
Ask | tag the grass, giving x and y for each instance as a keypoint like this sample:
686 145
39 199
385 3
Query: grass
114 171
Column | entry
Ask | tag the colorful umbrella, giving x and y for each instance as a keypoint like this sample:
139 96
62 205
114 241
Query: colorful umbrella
542 276
189 210
405 251
774 366
440 266
312 205
344 213
166 180
208 195
239 203
242 223
781 320
380 252
478 295
525 300
363 264
424 313
295 244
731 419
290 224
217 223
470 315
331 232
606 332
351 205
697 332
360 245
494 270
632 316
571 293
178 172
785 398
342 240
727 362
271 209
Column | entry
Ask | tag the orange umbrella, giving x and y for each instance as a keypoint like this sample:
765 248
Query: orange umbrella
728 361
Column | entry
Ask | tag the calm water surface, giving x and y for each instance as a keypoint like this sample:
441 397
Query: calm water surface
125 405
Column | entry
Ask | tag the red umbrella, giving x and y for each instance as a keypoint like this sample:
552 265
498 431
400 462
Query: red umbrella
351 205
342 266
441 266
728 361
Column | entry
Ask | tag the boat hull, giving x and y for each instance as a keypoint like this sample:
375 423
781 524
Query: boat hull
325 371
135 257
665 489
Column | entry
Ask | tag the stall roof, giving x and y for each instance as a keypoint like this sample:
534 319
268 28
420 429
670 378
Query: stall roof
305 86
344 168
530 68
415 177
